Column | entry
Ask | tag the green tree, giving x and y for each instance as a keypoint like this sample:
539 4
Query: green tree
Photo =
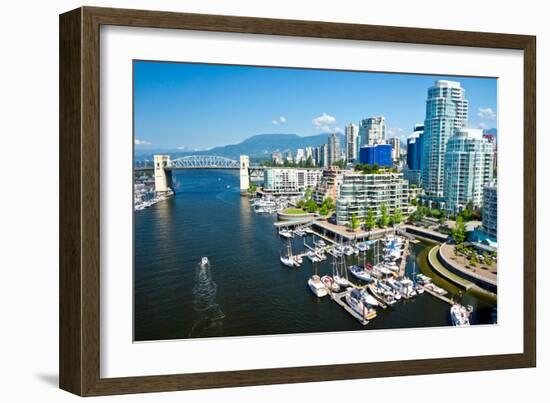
384 219
370 220
397 216
459 231
311 206
323 210
487 259
329 203
309 162
354 222
473 259
308 193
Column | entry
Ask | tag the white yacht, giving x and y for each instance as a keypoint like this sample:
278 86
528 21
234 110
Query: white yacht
368 298
316 286
460 315
285 233
355 301
360 273
204 261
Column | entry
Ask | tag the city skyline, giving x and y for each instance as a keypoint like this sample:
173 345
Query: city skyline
232 103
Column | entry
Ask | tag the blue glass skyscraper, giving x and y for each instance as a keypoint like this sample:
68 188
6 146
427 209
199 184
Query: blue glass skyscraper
379 154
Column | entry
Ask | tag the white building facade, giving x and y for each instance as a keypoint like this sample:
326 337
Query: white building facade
373 131
352 142
446 112
290 180
360 193
468 169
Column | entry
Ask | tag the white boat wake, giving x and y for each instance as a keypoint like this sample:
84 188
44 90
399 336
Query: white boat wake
209 314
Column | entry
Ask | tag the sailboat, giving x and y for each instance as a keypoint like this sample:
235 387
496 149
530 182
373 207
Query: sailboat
316 285
288 260
341 276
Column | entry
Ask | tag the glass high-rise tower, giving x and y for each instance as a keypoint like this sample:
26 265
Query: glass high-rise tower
446 112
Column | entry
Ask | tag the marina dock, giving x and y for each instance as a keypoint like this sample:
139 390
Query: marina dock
339 299
438 296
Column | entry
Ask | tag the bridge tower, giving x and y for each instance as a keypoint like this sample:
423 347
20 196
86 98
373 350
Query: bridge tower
245 178
163 178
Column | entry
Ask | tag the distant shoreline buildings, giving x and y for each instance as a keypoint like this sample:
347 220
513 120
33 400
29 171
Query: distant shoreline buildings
448 166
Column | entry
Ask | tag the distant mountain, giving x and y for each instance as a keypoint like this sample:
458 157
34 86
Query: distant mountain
257 147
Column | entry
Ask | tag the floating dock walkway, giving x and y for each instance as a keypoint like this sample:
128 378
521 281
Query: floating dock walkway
339 299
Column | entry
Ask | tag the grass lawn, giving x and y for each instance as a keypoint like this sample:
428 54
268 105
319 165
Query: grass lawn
293 211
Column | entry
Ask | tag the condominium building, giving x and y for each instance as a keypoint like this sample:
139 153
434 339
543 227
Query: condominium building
290 180
277 158
413 171
446 112
468 168
379 154
395 148
300 155
322 156
360 193
489 211
352 142
373 131
333 149
329 185
414 148
309 155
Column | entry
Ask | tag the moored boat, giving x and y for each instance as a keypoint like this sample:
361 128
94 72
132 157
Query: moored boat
316 286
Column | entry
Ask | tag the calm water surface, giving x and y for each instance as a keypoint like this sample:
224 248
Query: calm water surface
245 290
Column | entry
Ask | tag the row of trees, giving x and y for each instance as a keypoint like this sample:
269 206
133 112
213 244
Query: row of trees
472 255
309 205
385 219
372 169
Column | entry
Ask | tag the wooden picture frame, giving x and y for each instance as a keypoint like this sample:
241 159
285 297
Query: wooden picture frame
79 346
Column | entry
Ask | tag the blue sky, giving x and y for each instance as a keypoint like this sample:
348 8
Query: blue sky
199 106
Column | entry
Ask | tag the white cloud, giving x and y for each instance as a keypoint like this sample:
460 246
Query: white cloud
325 123
486 113
482 125
142 142
394 131
281 120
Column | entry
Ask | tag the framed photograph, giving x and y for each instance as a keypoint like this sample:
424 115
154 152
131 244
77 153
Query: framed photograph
249 201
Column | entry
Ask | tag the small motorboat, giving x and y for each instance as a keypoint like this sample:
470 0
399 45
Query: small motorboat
204 261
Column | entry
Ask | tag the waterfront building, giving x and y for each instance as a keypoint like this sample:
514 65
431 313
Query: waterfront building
395 148
333 149
468 168
290 180
352 142
379 154
328 186
360 193
300 155
373 131
489 211
446 112
277 158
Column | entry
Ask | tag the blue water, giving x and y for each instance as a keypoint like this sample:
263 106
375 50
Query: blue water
244 290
